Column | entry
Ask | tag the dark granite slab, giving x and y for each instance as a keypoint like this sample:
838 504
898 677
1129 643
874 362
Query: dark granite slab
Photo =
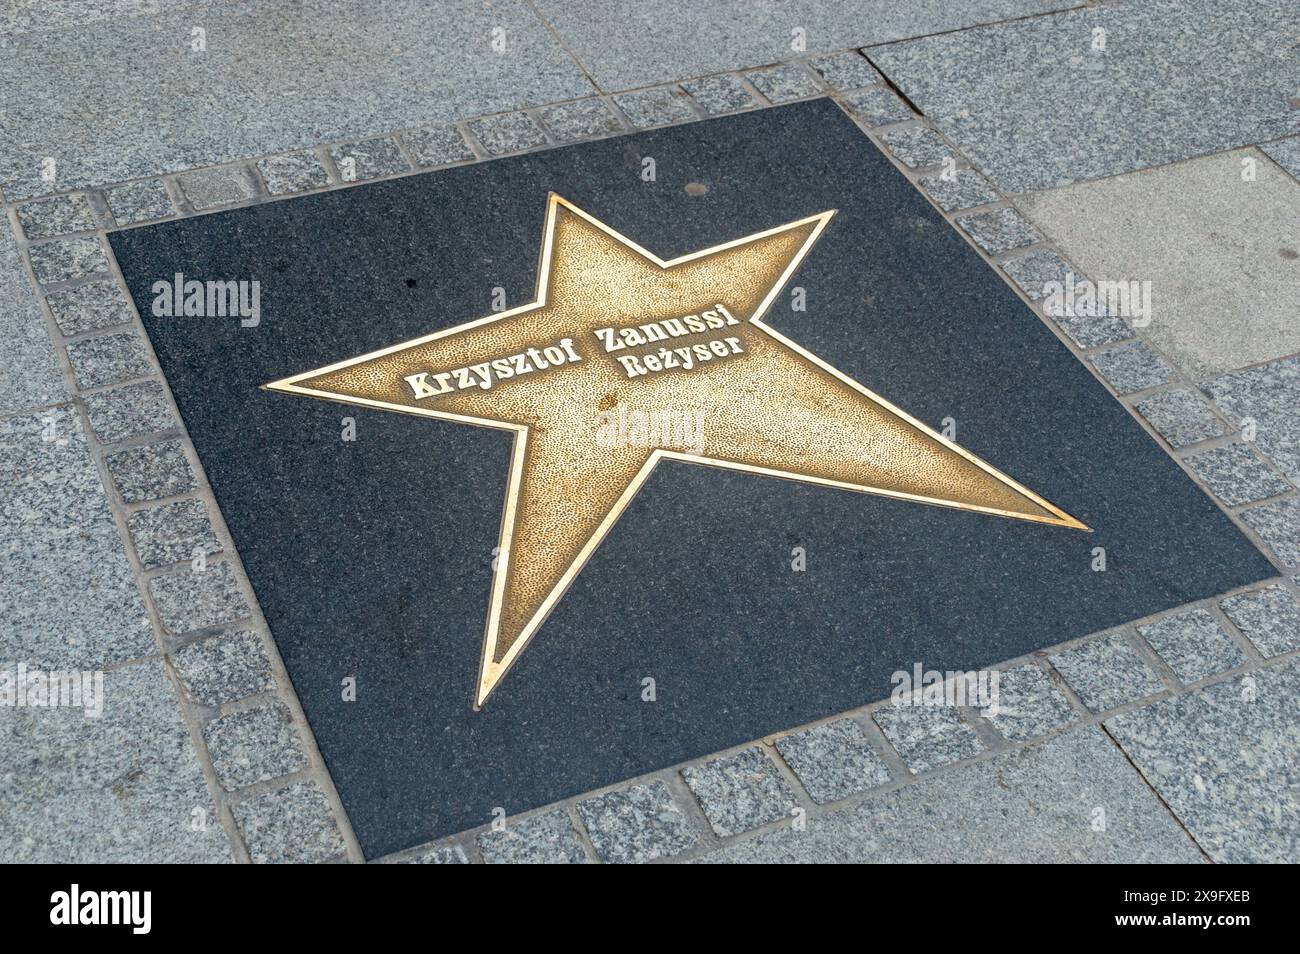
372 558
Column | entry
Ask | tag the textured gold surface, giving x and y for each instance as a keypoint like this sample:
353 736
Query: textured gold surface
767 407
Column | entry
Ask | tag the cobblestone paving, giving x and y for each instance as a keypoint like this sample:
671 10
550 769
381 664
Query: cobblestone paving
1181 729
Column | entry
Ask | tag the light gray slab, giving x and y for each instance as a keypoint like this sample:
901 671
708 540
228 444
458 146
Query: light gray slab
29 371
67 595
1073 798
1035 104
626 45
276 75
123 787
1222 253
1224 760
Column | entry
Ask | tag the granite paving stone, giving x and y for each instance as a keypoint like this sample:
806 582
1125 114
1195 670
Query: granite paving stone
108 359
141 201
130 411
437 146
368 159
547 839
784 83
660 106
442 855
1236 474
60 215
213 188
192 600
927 736
1286 153
999 230
833 761
30 374
1093 331
151 472
1070 798
964 189
1221 253
1269 618
1181 416
172 533
253 746
1279 524
1133 367
917 146
1035 272
583 119
1028 705
1107 672
877 106
720 94
624 47
740 792
1193 645
1265 398
290 825
63 260
89 307
849 70
508 132
123 787
224 668
261 87
60 541
637 824
1223 760
1194 75
293 172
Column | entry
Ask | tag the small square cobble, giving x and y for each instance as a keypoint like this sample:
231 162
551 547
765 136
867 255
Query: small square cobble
61 215
108 359
1132 367
224 668
294 172
369 159
438 146
740 792
192 600
583 119
130 411
1279 524
833 761
441 855
1092 331
67 259
636 824
1107 673
962 189
173 533
660 106
877 106
1182 417
784 84
1028 705
508 132
547 839
721 94
1000 230
927 736
1236 474
142 201
846 70
89 307
213 188
1035 272
918 146
254 746
1269 618
290 825
1193 645
151 472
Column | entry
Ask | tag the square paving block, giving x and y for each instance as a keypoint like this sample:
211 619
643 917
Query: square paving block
659 593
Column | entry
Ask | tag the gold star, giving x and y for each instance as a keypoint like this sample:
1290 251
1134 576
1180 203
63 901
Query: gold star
623 360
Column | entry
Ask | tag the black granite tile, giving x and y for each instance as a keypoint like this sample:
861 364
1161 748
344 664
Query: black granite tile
371 558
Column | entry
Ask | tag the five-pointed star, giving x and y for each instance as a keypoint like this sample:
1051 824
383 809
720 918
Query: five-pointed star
746 398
